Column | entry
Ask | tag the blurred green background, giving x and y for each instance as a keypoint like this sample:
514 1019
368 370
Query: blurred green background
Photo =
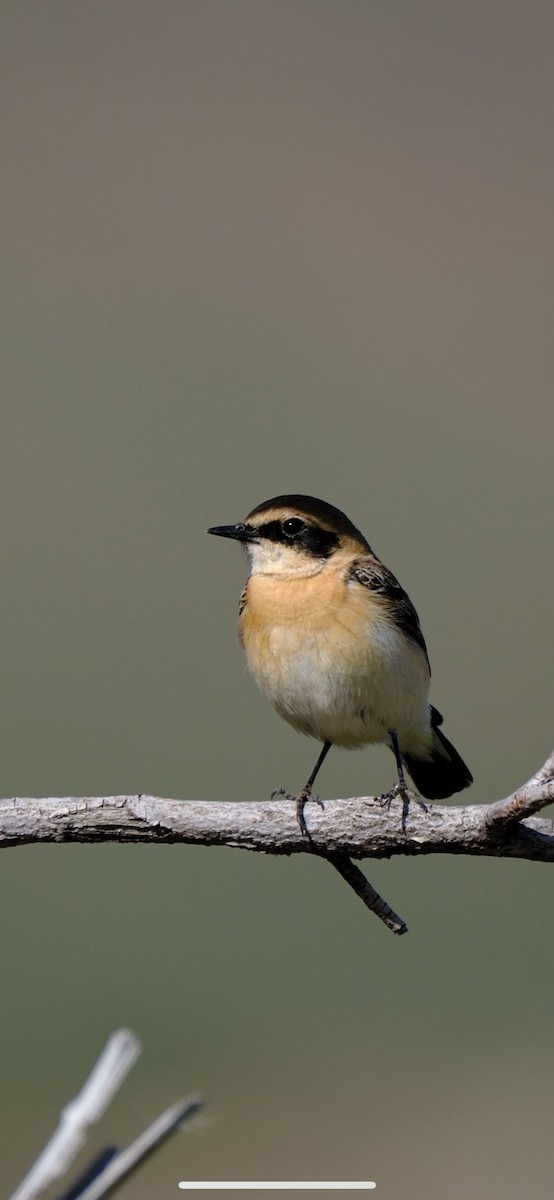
249 248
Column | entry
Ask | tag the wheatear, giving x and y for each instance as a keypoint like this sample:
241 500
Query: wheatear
335 643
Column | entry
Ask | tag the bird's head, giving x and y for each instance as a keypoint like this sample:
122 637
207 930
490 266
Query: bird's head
295 535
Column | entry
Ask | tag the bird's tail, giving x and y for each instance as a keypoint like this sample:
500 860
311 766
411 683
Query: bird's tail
444 772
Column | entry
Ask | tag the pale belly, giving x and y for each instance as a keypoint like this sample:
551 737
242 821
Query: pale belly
340 687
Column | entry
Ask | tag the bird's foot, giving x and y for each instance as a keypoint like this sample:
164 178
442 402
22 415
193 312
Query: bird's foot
300 800
399 789
406 796
386 798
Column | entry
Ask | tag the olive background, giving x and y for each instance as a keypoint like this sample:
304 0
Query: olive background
251 248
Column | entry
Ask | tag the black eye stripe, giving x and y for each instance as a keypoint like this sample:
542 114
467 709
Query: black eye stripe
272 530
303 536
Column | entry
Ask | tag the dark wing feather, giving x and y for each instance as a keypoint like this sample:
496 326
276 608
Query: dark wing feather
373 575
242 605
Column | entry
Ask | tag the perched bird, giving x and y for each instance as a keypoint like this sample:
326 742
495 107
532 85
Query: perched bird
335 643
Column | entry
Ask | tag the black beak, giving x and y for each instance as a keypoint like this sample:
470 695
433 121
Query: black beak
241 532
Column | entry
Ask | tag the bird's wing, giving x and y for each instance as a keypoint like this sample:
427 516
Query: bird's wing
242 601
372 574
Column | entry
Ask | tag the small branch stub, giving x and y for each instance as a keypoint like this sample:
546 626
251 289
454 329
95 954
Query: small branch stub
362 887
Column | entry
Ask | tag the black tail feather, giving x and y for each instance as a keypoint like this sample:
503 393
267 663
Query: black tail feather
444 773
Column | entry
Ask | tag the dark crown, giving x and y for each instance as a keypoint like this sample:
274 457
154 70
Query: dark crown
313 509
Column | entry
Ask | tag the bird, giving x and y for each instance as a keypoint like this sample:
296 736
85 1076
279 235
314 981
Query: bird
334 642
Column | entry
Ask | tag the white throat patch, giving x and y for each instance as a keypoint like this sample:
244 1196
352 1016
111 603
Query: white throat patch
273 558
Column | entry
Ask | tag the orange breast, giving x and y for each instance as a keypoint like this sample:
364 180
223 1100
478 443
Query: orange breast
329 658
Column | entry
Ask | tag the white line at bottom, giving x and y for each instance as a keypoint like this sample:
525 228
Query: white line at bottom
276 1185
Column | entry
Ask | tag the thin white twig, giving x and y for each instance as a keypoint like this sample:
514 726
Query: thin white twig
119 1055
121 1166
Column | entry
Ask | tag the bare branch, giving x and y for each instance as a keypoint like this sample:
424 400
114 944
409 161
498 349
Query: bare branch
360 827
343 829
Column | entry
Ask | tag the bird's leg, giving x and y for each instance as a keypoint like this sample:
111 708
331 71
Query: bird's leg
402 785
306 794
401 788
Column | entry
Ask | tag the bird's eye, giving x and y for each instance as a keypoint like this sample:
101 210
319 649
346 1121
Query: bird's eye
293 527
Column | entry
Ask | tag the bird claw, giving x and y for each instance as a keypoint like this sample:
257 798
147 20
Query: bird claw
299 800
281 791
386 799
406 796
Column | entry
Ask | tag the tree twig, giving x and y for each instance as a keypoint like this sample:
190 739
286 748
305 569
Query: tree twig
529 799
110 1167
122 1165
364 889
76 1119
